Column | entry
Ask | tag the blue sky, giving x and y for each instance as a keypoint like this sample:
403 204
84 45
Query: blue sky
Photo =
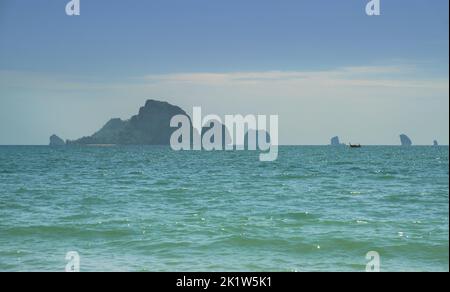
69 75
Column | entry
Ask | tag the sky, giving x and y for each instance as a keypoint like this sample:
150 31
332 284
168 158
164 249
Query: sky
325 67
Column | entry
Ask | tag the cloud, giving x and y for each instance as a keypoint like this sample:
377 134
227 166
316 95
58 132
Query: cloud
388 76
357 77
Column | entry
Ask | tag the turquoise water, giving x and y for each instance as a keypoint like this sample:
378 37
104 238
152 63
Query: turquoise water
152 209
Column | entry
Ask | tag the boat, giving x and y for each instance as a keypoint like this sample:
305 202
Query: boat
355 145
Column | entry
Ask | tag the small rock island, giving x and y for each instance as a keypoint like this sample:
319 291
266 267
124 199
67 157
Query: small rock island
56 141
335 141
405 140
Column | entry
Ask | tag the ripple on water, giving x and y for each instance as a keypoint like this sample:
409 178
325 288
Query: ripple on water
149 208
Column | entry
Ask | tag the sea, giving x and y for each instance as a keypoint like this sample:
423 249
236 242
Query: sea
148 208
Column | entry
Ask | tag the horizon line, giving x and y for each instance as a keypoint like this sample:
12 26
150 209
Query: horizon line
281 145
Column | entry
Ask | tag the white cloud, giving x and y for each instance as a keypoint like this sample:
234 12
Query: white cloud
388 76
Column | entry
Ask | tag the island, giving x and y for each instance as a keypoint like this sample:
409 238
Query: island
56 141
151 126
405 140
336 142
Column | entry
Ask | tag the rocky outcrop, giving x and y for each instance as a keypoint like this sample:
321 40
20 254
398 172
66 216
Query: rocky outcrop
56 141
335 141
405 140
151 126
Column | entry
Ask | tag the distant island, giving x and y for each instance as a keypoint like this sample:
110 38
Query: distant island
405 140
336 142
151 126
56 141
